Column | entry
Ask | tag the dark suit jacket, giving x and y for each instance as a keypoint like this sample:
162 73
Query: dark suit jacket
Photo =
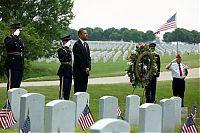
82 59
15 48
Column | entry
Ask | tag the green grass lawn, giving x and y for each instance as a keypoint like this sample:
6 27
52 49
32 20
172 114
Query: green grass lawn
47 71
120 91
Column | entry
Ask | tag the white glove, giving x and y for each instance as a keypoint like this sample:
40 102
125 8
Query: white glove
68 44
17 32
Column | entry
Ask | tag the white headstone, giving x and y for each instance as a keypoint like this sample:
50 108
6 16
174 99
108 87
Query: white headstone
108 107
14 95
109 125
81 99
167 115
34 104
132 109
60 116
177 101
150 118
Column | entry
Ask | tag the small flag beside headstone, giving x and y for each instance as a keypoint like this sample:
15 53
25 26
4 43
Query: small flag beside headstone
6 116
189 126
194 112
26 128
86 119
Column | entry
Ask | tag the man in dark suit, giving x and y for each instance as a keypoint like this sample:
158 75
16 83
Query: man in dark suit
82 62
150 89
65 69
14 62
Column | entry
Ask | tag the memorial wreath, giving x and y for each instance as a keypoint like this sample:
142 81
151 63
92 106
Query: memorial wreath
141 65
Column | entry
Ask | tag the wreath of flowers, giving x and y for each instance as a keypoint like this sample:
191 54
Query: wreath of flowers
141 65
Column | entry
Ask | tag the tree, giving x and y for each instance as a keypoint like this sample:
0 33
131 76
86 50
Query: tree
97 34
47 16
149 36
3 32
43 21
196 36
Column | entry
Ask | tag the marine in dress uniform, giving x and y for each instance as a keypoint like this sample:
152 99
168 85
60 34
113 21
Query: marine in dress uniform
14 62
150 89
179 72
65 69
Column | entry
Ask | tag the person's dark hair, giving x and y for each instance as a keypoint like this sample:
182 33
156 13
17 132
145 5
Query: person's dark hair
80 31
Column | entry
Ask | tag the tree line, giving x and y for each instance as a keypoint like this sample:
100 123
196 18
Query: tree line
45 21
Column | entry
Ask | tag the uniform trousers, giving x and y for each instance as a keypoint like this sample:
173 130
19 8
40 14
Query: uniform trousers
178 87
14 78
65 87
150 90
80 84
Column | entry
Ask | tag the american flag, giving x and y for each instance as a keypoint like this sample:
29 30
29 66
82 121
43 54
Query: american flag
26 127
119 112
189 126
86 119
171 23
6 116
194 112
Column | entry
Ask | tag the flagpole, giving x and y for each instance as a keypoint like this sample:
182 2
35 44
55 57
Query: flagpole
177 35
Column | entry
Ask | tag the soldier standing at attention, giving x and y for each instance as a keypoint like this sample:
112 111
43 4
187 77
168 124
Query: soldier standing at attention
65 69
14 62
150 89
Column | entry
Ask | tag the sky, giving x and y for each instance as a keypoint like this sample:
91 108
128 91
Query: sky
142 15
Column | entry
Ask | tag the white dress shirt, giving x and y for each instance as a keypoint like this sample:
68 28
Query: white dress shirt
175 70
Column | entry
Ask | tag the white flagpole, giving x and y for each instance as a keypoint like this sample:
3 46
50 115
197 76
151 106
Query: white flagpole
177 37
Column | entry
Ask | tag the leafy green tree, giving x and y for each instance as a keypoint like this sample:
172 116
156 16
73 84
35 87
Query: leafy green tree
196 36
167 37
47 16
3 33
107 34
149 36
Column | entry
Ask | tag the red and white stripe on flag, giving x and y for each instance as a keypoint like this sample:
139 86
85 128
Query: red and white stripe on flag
171 23
189 129
189 126
6 118
119 112
86 119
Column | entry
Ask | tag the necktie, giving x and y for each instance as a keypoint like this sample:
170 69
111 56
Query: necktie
180 70
84 44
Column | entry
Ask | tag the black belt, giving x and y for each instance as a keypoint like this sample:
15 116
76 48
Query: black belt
69 63
179 78
15 53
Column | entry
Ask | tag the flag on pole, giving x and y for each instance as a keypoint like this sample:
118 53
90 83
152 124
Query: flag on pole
171 23
194 112
189 126
86 119
6 116
26 127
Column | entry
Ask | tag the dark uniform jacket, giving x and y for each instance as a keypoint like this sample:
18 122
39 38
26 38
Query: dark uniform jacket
158 65
82 59
15 48
65 58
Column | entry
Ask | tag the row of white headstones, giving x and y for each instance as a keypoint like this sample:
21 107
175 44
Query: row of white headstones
108 50
62 115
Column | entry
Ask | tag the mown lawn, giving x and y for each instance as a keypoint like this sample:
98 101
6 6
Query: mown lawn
120 91
47 71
